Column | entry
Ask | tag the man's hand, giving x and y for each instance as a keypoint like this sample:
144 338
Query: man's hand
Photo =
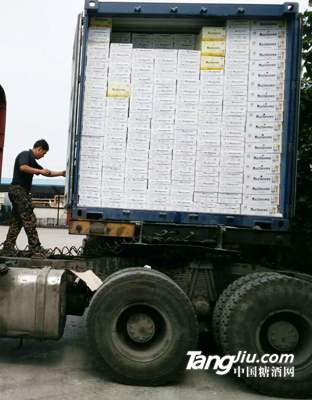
63 173
45 172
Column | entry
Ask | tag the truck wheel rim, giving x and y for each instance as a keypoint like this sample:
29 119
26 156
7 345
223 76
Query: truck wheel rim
141 332
286 332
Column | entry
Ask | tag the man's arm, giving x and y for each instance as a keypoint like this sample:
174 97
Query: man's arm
29 170
54 173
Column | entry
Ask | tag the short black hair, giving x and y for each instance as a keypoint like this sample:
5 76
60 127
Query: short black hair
42 143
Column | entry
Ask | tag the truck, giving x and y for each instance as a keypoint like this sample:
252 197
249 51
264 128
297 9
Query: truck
173 271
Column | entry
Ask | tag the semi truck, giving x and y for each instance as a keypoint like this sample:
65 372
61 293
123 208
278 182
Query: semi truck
189 257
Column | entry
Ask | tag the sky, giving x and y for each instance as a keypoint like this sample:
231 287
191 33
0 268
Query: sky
36 43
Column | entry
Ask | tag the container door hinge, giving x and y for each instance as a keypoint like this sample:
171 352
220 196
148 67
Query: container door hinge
80 79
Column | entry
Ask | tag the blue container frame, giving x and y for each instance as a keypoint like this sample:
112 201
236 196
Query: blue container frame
222 12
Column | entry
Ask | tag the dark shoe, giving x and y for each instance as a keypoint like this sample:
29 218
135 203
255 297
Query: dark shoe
8 252
3 269
38 249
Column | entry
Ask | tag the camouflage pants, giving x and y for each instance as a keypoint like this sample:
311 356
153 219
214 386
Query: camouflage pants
22 216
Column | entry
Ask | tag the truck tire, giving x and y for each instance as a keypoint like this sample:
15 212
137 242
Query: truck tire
140 326
224 298
272 315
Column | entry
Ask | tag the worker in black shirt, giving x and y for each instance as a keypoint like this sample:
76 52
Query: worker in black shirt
23 211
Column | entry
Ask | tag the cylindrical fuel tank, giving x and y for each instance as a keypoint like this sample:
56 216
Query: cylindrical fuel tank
33 303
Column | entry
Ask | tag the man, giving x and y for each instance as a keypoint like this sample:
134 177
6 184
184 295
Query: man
23 211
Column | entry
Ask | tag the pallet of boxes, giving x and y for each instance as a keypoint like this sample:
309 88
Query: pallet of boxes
184 122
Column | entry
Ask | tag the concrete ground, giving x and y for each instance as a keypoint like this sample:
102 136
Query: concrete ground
63 370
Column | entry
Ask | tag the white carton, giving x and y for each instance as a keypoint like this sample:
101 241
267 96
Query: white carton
227 161
227 209
267 43
237 61
263 168
267 65
236 71
141 88
261 189
237 39
230 90
228 141
266 106
204 142
255 116
141 97
231 176
234 50
211 187
263 148
235 80
264 137
260 199
276 75
230 198
134 191
233 110
208 78
262 127
208 153
264 158
237 30
231 121
267 54
261 179
208 162
113 181
209 90
135 183
266 96
270 24
88 154
259 210
210 100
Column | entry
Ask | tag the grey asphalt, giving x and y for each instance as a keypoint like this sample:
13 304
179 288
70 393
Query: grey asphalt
64 370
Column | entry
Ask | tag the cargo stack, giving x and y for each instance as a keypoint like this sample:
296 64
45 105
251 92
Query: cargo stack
160 153
139 127
211 43
162 41
117 110
120 37
142 40
94 111
234 117
264 118
184 41
185 131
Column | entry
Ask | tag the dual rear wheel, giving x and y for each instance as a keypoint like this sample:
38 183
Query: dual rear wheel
269 314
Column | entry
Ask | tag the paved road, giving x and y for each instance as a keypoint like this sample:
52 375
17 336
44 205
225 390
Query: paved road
63 370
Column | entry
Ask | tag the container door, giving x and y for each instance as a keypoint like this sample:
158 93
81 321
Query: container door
70 165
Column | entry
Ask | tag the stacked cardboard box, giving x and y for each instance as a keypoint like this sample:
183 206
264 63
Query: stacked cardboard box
139 132
94 111
264 118
211 43
185 131
142 40
182 129
117 109
234 117
162 126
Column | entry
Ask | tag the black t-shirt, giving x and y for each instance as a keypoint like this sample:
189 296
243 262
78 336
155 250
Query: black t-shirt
22 178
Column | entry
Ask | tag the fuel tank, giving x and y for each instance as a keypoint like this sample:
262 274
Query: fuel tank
33 303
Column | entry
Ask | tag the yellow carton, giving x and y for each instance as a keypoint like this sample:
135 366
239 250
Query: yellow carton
212 33
118 90
101 22
211 63
212 48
